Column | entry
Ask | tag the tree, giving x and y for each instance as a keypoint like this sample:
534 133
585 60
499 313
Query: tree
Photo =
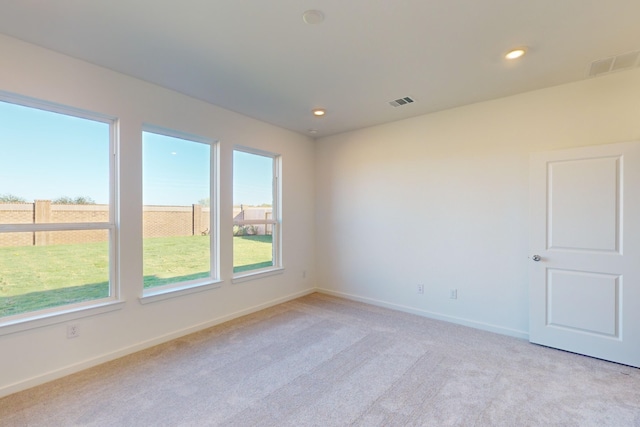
205 202
80 200
10 198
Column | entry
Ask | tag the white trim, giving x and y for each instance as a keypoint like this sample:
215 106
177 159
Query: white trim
254 221
276 212
88 363
275 221
55 226
53 107
251 150
162 293
256 274
213 280
114 209
214 211
47 316
77 367
431 315
172 133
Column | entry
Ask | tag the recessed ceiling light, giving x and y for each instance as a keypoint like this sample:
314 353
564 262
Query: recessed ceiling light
516 53
318 112
313 17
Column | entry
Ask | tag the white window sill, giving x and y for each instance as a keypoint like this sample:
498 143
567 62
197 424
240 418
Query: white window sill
57 315
172 291
256 274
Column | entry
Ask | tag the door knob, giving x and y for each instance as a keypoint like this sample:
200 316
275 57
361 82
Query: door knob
536 258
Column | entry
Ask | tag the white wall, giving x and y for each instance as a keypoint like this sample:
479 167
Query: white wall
442 199
31 357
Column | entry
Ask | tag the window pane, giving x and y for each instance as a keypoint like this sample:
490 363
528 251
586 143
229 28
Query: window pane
54 169
175 259
40 270
253 229
251 252
252 179
176 215
52 157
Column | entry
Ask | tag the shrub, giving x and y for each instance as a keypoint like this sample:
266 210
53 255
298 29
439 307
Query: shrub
250 230
245 230
238 230
80 200
10 198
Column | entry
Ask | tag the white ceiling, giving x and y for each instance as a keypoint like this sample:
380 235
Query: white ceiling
259 58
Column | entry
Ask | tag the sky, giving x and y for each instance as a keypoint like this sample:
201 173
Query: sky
175 172
46 155
252 178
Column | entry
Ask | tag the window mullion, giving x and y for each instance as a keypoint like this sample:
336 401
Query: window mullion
254 221
62 226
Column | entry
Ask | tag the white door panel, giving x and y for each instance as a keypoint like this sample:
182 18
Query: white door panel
585 227
579 186
598 309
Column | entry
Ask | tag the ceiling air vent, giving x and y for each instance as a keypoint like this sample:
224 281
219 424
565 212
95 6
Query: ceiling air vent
621 62
401 101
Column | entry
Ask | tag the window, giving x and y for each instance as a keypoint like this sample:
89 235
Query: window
179 211
256 207
57 213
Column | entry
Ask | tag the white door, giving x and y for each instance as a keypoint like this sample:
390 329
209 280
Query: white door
584 292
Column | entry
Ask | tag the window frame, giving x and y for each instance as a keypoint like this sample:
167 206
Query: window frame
275 221
213 281
66 312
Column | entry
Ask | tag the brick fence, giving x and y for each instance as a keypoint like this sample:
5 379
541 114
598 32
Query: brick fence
159 221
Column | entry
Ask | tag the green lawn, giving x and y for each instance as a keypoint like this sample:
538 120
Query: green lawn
175 259
39 277
251 252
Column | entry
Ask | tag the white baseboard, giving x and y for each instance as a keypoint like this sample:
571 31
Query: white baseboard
437 316
80 366
77 367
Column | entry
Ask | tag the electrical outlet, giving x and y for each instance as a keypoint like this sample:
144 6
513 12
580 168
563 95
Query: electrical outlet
453 294
421 289
73 331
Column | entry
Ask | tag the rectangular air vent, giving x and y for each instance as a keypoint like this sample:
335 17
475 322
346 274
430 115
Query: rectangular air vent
621 62
401 101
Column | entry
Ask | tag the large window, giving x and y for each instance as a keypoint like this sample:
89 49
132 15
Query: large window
57 214
256 219
179 220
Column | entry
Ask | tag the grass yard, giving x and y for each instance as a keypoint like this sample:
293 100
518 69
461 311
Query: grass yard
39 277
175 259
252 252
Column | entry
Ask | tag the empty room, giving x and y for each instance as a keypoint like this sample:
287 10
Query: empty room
327 213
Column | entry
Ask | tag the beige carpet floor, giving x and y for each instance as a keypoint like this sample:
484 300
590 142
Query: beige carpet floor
325 361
